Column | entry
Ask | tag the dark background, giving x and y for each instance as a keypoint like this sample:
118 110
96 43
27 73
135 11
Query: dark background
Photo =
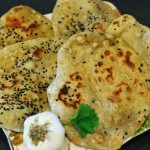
140 9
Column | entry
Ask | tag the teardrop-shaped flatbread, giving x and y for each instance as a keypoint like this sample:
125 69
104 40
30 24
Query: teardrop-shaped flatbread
109 76
74 16
22 23
26 70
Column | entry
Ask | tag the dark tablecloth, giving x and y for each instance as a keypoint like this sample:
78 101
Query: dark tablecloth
140 9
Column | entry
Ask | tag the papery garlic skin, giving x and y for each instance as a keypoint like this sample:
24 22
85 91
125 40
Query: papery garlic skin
55 133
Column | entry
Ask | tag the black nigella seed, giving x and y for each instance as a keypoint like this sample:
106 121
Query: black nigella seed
139 112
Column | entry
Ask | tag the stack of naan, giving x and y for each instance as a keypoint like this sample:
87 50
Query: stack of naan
87 53
29 48
107 69
27 65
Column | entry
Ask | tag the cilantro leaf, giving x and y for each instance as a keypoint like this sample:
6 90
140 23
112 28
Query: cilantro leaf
85 120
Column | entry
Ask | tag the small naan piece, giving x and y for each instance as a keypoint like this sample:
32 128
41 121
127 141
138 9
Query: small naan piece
22 23
74 16
134 33
109 76
26 70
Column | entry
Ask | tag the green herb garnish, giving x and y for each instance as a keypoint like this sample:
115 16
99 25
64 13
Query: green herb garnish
85 120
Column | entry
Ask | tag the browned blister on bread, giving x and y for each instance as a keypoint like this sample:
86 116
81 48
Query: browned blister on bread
22 23
134 33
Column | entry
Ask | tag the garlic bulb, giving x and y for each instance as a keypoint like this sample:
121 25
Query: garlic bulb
44 131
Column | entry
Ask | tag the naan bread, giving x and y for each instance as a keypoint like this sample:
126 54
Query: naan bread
26 70
74 16
134 33
23 23
110 77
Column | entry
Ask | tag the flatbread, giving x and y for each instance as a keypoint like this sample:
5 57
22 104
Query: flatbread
22 23
74 16
134 33
26 70
109 76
